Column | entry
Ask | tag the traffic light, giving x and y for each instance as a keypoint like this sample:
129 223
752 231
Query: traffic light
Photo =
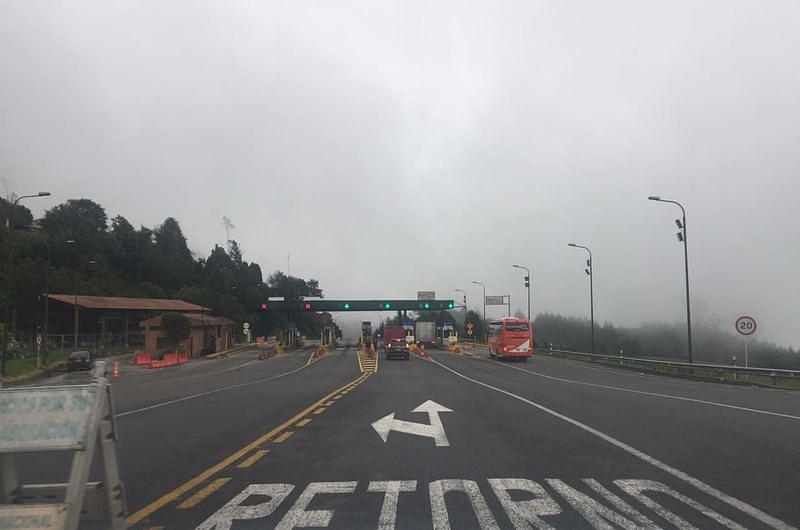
263 307
308 306
527 281
426 305
347 305
450 305
387 305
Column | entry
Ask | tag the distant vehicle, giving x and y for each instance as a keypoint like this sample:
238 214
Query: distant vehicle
366 328
425 333
394 342
510 338
79 360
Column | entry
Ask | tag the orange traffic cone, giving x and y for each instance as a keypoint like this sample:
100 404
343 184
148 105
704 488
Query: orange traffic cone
115 373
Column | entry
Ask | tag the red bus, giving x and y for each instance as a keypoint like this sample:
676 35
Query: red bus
510 338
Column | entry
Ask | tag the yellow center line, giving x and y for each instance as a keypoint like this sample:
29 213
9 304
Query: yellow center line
255 457
283 437
195 499
303 423
320 410
208 473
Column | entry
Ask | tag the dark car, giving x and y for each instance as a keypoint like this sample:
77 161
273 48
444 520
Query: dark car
396 348
79 360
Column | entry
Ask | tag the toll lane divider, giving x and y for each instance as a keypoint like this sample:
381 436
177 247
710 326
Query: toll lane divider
229 352
418 350
203 477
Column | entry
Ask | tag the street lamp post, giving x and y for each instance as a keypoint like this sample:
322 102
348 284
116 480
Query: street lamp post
589 271
682 238
528 285
10 275
463 292
484 310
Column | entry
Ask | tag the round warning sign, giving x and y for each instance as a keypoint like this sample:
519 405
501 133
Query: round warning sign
746 325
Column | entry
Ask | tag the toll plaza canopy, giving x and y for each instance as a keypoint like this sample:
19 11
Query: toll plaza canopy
357 305
121 303
117 315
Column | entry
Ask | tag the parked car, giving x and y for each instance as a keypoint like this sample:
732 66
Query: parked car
79 360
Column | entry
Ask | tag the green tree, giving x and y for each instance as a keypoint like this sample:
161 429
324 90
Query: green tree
22 215
176 328
477 322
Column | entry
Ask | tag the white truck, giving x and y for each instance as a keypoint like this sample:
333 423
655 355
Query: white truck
425 333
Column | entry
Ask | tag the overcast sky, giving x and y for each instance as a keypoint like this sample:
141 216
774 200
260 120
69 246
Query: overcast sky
395 147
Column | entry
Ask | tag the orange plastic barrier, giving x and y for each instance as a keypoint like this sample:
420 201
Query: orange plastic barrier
157 364
170 359
183 358
142 358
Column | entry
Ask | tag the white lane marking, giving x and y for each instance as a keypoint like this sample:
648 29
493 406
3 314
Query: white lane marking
192 376
525 514
392 489
441 521
223 518
656 394
215 391
636 489
598 515
299 517
697 483
434 429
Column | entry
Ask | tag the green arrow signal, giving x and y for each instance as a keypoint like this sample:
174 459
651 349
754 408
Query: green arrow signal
427 305
387 305
347 306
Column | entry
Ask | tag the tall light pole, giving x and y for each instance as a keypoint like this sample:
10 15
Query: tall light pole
682 238
528 285
484 309
463 292
10 275
591 286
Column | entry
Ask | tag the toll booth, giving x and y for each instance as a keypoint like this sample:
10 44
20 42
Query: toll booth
447 331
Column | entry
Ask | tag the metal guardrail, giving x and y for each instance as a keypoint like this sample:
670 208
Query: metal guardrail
773 377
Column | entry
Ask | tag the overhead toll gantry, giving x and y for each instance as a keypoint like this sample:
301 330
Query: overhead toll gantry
356 305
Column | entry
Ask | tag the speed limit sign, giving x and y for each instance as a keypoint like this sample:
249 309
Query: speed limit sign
746 325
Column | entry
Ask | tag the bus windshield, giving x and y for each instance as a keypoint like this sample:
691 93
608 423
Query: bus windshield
517 326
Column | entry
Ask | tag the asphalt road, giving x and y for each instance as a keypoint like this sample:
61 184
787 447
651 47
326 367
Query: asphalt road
241 443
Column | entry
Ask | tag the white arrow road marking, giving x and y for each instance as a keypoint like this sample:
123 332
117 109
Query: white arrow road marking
434 429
